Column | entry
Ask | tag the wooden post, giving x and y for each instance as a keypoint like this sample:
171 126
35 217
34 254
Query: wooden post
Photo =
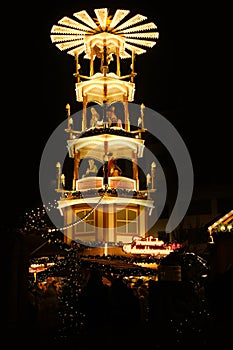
77 66
76 169
153 166
132 67
91 63
118 72
84 115
127 124
142 115
135 170
105 168
69 120
58 166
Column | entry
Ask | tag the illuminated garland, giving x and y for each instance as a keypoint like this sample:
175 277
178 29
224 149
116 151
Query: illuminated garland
224 228
38 220
224 224
80 219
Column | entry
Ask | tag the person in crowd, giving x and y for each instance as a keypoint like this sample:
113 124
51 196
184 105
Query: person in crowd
142 293
94 301
125 306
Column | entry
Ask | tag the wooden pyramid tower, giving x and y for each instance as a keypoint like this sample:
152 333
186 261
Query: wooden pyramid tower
107 203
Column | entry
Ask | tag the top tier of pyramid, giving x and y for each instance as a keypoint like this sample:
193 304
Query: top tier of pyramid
104 41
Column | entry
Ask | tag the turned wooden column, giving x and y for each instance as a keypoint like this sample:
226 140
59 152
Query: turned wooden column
118 72
105 168
76 169
92 63
153 166
77 66
135 169
84 115
126 109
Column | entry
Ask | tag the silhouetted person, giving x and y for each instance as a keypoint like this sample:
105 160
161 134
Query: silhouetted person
125 307
219 292
220 295
49 311
142 293
94 301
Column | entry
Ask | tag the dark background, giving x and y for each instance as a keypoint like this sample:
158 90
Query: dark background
185 77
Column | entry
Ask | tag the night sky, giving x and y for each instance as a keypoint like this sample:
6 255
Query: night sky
184 77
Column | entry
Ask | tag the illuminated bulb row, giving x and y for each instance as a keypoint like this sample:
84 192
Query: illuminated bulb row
210 228
70 34
226 228
81 219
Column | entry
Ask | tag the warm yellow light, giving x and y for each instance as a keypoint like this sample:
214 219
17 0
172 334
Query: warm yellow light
73 34
153 165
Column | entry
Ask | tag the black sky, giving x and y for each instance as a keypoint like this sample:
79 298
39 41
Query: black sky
185 77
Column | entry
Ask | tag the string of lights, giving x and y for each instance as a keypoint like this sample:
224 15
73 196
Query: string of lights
37 220
65 227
